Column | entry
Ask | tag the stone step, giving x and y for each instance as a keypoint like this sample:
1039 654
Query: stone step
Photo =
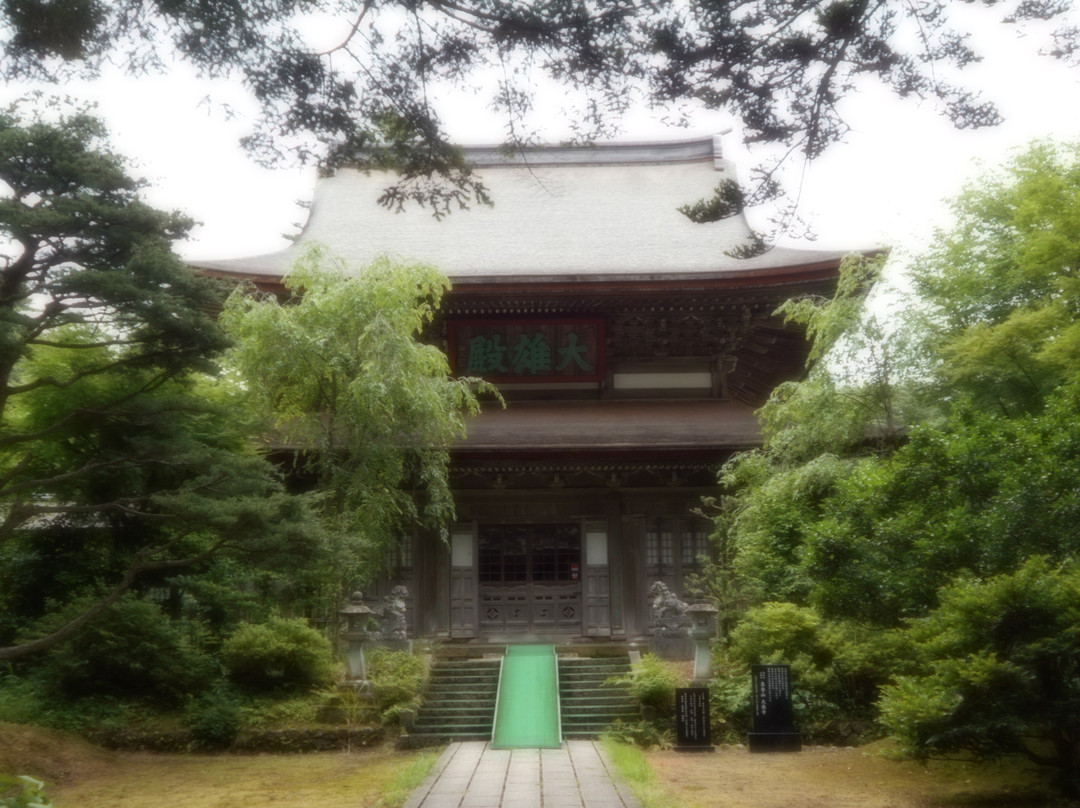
599 696
591 684
593 673
574 710
444 711
588 704
470 666
451 690
452 730
462 676
459 702
595 662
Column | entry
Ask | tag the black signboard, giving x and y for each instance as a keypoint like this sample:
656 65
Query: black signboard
692 730
774 718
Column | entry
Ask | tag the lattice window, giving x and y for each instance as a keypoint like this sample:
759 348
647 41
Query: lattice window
695 543
667 547
652 548
511 554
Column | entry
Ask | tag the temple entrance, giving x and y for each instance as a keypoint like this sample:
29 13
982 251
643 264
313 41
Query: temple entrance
530 578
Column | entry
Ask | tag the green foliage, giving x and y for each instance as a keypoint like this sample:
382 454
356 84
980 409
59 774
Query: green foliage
769 519
281 654
730 702
652 681
131 652
116 468
979 493
276 709
397 682
644 734
781 68
33 699
407 778
632 766
1002 283
999 672
214 718
343 371
22 791
837 669
779 632
727 201
916 500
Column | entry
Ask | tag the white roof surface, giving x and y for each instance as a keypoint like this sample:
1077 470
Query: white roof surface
561 214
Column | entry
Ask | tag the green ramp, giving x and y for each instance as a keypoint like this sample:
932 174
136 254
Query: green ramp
527 713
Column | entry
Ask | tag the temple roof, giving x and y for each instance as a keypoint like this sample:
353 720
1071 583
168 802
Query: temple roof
560 214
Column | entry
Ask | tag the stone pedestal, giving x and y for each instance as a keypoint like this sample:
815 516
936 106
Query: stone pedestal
702 632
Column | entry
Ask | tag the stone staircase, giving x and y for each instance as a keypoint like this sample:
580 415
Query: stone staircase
459 702
588 705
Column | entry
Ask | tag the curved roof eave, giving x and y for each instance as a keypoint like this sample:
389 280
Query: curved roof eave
576 215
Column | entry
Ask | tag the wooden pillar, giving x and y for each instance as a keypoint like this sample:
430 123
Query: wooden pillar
633 577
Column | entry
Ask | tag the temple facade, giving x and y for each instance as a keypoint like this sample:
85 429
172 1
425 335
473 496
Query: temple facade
632 346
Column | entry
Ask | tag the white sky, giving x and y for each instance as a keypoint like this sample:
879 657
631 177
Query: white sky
884 186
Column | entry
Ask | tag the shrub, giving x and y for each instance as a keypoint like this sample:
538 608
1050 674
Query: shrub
731 705
397 680
643 734
280 654
998 672
214 718
837 669
652 682
130 651
22 792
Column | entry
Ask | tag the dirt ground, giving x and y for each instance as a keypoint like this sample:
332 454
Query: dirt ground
79 774
829 777
818 777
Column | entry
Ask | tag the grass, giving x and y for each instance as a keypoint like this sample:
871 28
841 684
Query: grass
632 766
838 778
80 774
298 781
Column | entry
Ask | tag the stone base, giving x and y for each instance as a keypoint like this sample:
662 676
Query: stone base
775 742
672 647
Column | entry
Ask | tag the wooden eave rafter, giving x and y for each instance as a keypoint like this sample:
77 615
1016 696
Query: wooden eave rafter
787 278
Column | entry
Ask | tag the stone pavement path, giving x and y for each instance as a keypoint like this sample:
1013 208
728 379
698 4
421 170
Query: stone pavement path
473 775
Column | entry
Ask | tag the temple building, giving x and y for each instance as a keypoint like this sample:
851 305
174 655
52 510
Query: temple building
632 347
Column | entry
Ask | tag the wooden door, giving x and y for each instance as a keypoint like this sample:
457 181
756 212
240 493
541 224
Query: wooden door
463 582
597 582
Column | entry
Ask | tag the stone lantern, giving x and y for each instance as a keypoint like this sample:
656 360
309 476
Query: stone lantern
358 618
702 632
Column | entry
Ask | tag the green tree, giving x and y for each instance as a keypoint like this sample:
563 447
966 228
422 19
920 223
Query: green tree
783 67
912 462
975 495
999 672
1001 285
908 454
114 466
851 406
991 479
371 408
